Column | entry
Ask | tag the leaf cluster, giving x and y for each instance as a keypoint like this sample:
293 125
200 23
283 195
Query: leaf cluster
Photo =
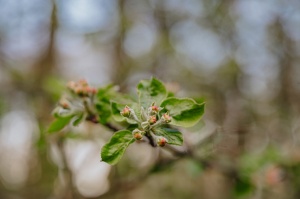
154 116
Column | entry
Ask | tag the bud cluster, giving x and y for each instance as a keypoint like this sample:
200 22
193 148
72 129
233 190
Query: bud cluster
81 88
82 103
150 119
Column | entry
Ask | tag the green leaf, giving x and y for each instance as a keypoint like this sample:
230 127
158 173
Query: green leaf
150 91
109 92
185 112
104 95
103 102
106 91
116 110
78 119
104 111
59 123
173 136
113 151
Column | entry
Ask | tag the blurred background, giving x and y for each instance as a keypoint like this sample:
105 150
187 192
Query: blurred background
241 56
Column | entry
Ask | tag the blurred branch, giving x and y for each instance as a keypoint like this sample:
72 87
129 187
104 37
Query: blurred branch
121 66
45 64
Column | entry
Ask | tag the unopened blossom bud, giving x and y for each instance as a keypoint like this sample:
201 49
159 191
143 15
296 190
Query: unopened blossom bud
166 117
93 90
126 111
65 105
152 119
83 82
71 85
153 109
90 90
161 141
78 90
86 90
138 134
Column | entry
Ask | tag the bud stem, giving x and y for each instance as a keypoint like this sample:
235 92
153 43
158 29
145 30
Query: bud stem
156 124
133 116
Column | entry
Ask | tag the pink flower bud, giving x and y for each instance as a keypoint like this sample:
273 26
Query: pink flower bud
93 90
152 119
78 90
126 111
167 118
161 141
85 90
155 108
138 134
83 82
65 105
71 85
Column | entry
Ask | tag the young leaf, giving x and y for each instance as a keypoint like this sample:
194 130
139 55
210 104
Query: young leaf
113 151
59 123
150 91
78 119
185 112
173 136
103 102
104 111
105 92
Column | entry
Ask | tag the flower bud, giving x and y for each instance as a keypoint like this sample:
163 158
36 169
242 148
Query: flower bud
83 82
161 141
65 105
93 90
90 90
85 90
78 90
126 111
153 109
138 134
152 119
166 118
71 85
